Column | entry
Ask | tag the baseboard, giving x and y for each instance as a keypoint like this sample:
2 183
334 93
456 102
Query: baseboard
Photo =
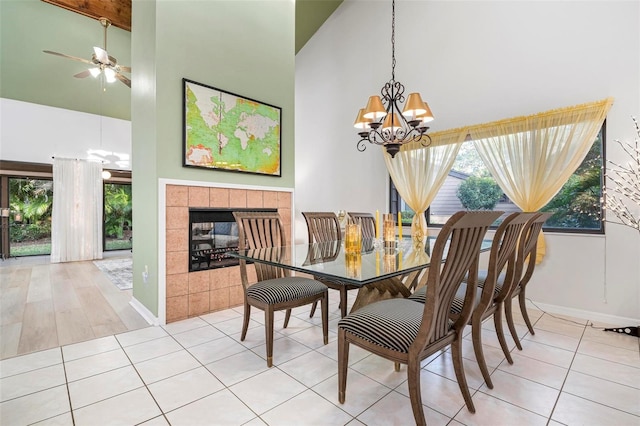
587 315
144 312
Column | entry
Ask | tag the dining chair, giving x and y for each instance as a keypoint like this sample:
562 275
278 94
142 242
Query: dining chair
275 289
407 332
324 227
489 294
367 222
525 265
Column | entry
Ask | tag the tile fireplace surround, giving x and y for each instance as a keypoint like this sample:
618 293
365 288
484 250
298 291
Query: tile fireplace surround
190 294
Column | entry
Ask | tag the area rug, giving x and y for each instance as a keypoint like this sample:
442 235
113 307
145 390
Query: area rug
119 271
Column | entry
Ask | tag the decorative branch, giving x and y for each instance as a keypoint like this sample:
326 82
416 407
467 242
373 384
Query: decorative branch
624 191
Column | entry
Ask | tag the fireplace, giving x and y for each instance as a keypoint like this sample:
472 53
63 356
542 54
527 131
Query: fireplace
213 233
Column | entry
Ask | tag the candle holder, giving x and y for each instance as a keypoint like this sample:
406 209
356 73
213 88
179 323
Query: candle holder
342 214
388 231
353 264
389 261
352 238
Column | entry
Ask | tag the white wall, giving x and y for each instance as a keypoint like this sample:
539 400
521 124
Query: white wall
474 62
35 133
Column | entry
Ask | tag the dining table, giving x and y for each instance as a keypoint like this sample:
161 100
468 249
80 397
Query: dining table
379 270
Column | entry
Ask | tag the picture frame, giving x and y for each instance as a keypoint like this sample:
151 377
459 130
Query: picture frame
228 132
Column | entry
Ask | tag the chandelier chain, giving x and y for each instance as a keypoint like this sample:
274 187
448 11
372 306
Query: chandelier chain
393 40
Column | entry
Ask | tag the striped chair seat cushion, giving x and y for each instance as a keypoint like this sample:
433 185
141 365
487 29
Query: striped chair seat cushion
285 289
482 276
392 324
420 295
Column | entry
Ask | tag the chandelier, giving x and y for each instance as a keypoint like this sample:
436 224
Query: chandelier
380 122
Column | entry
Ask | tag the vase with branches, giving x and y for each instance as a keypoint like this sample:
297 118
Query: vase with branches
622 196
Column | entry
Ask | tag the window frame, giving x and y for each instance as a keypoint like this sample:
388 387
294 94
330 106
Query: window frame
104 214
395 200
20 169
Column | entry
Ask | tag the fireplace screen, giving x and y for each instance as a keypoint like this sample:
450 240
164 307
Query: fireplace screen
213 234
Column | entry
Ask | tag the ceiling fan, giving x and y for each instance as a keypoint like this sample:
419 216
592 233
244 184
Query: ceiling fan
101 61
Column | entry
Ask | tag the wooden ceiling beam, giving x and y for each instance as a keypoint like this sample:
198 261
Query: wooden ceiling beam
117 11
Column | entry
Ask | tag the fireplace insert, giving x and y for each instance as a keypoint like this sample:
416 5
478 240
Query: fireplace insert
213 234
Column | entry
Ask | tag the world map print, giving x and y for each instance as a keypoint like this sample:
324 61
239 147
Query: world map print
229 132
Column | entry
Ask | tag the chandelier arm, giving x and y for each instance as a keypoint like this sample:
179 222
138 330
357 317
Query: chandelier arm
377 137
426 136
361 145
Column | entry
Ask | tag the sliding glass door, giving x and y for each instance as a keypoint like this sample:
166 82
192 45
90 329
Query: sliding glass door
30 203
117 217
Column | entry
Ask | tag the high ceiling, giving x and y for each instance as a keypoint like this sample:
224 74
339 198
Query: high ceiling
117 11
310 14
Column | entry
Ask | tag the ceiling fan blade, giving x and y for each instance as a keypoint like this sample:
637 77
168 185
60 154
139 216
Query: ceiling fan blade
125 69
83 74
123 79
75 58
101 55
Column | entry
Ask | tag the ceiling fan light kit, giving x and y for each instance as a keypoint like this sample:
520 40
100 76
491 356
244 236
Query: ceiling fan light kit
101 62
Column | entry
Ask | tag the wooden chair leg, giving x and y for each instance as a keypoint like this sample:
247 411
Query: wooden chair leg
476 333
396 366
268 323
458 367
343 301
245 322
343 364
512 327
415 396
324 307
497 321
313 309
523 308
287 316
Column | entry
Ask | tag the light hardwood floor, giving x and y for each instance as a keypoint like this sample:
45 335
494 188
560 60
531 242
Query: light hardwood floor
45 305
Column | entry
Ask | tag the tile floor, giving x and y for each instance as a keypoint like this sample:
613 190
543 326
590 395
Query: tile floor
197 372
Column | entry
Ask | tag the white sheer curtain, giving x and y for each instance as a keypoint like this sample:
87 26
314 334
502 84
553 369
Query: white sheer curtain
76 227
418 172
532 157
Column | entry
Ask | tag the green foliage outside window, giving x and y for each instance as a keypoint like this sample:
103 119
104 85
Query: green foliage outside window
407 216
118 216
577 204
31 203
479 193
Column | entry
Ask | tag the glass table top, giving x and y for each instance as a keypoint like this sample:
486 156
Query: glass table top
329 260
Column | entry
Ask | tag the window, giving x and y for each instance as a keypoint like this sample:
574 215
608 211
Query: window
117 216
30 202
576 207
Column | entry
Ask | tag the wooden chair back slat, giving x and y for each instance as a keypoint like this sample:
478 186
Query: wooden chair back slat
261 230
367 223
503 254
527 246
460 238
322 226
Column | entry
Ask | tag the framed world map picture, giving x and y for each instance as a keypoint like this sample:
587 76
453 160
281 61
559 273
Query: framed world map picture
229 132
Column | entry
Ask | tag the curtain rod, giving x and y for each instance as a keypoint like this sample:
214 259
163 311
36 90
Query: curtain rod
77 159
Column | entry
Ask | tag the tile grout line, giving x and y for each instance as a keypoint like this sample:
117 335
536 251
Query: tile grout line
555 405
66 383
